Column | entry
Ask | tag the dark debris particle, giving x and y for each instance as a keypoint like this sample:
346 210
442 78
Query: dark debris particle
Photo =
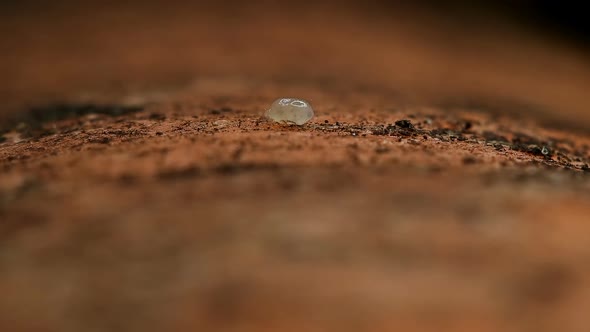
520 147
585 168
381 131
406 124
326 121
215 112
400 128
467 125
159 133
493 137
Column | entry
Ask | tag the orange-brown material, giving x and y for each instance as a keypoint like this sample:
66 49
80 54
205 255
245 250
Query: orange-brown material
141 189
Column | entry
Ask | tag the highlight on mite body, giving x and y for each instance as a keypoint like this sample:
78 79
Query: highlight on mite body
290 111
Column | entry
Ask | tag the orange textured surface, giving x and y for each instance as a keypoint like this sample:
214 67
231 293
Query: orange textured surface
141 189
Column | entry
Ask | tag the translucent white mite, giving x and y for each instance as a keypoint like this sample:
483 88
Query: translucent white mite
290 110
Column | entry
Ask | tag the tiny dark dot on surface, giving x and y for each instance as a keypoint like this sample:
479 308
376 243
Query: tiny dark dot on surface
326 121
404 124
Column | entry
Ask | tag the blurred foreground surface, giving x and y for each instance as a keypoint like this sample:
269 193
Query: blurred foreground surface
140 190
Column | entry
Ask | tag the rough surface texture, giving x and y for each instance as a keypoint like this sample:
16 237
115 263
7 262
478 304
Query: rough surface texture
175 206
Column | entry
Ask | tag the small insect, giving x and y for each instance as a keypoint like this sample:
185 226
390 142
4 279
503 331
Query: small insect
290 111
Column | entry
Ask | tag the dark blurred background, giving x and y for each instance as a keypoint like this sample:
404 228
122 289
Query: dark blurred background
566 19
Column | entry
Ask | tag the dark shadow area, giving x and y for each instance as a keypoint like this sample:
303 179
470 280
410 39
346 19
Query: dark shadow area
30 123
